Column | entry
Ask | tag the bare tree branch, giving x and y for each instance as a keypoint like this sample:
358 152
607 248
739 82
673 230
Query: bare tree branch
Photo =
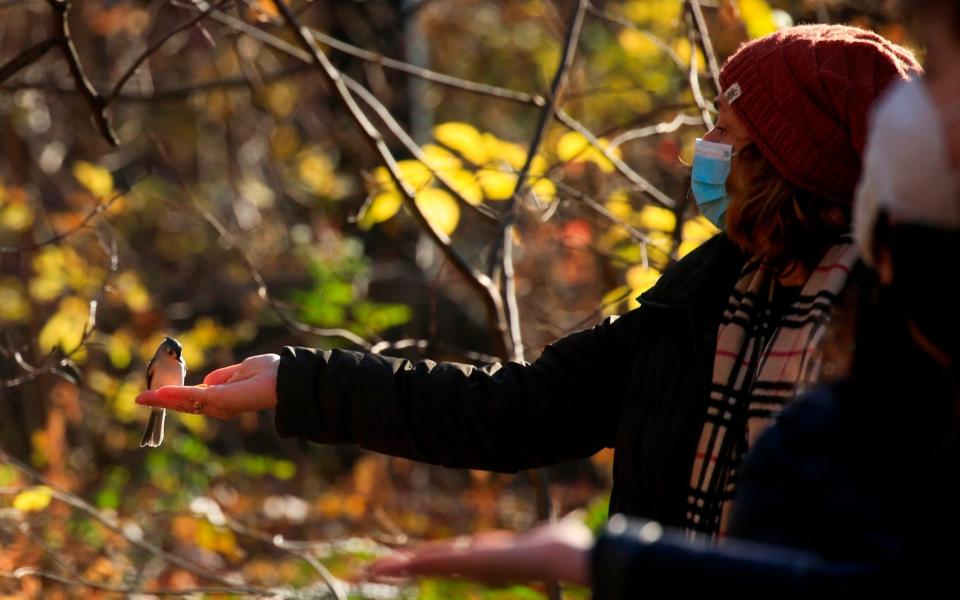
703 36
156 46
119 589
505 250
96 102
263 291
59 237
475 278
130 534
31 54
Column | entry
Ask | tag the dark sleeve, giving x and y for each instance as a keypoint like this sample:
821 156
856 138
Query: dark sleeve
507 417
633 555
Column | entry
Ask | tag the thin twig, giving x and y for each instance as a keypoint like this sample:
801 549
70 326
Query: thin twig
618 20
119 589
703 36
263 291
156 46
112 524
30 55
567 120
639 182
98 107
475 278
505 250
59 237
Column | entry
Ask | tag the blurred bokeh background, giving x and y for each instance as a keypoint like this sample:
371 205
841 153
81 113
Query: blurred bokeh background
187 173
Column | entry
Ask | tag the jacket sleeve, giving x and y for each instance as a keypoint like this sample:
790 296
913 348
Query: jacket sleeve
633 554
509 417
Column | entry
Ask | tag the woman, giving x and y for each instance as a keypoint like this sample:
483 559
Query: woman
680 386
855 485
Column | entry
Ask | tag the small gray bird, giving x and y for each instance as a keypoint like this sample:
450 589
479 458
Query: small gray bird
165 368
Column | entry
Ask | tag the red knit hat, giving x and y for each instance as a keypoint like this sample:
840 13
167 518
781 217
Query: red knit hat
804 94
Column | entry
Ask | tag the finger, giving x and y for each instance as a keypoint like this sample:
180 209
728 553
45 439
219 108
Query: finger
390 566
175 397
221 375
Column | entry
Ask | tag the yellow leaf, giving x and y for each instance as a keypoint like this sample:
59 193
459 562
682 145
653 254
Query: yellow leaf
465 183
124 408
440 159
316 172
657 218
95 178
544 188
618 203
641 279
281 98
439 208
699 229
65 327
33 499
119 347
758 17
464 138
14 305
508 152
16 217
637 45
412 172
496 184
573 147
383 207
612 300
134 295
284 141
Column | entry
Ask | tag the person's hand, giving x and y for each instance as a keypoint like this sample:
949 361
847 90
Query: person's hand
552 552
225 393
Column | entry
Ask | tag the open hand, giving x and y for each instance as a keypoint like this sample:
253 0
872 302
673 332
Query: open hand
226 392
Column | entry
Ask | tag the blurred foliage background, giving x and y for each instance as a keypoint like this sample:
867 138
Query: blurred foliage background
240 210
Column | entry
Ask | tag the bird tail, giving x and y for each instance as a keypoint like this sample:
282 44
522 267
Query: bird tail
153 434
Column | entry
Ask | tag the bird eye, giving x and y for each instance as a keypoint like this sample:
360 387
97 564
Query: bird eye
170 352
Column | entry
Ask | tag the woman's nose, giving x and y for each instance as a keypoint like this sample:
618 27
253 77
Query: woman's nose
712 136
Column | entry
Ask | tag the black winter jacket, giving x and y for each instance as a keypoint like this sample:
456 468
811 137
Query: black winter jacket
637 383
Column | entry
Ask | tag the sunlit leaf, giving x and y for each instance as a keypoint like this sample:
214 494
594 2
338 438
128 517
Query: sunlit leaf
637 45
508 152
465 183
641 279
129 288
544 188
699 229
657 218
65 327
33 499
496 184
383 207
463 138
440 159
439 208
14 305
95 178
120 348
574 147
16 217
758 17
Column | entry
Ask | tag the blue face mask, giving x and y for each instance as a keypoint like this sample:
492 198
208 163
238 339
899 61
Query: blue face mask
711 167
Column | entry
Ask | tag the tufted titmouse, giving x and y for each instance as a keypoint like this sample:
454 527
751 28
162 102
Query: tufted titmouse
165 368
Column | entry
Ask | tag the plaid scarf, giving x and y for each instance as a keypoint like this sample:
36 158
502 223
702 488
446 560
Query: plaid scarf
762 361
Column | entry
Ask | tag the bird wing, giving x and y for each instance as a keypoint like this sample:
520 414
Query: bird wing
150 373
